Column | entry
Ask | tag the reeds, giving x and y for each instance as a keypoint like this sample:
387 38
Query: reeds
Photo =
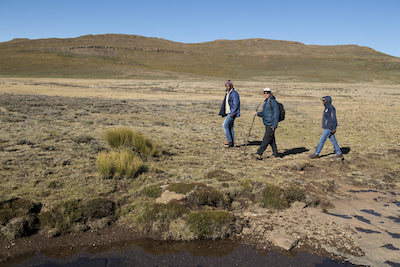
124 163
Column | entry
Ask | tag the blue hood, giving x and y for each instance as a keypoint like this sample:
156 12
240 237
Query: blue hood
328 99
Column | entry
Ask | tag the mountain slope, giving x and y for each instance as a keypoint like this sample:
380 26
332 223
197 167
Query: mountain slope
131 56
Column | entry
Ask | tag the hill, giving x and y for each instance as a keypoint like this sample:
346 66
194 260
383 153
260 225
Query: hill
131 56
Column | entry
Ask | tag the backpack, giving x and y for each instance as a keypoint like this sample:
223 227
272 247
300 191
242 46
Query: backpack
281 111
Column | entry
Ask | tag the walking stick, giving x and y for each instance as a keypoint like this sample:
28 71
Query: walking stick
250 130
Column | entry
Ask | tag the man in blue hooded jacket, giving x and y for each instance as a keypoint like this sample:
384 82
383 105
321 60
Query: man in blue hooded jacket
329 124
230 109
270 116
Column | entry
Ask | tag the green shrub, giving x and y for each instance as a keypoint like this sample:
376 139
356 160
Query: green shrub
158 216
124 163
125 138
273 197
247 185
210 224
152 191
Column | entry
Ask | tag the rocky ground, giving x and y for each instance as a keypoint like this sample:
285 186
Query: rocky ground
52 131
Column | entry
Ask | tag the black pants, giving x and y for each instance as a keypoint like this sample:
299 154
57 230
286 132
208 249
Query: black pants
269 139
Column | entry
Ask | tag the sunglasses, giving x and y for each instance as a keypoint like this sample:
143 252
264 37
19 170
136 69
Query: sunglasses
267 92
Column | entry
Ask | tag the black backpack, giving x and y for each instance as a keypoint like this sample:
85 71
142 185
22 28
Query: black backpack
281 111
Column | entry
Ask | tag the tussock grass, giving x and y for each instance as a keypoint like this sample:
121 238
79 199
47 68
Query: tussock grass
125 163
124 137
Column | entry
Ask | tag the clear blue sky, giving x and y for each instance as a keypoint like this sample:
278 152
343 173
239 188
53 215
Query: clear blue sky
372 23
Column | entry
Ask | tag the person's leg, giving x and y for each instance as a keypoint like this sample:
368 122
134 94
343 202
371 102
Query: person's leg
266 140
335 144
228 128
273 145
324 136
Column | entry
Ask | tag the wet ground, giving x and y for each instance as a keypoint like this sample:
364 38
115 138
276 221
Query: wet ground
147 252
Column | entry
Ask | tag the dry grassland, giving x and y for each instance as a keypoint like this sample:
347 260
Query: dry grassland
52 131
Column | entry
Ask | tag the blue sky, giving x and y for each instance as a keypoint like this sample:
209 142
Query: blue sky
375 24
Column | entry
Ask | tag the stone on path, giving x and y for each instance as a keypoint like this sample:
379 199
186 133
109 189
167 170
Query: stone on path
282 241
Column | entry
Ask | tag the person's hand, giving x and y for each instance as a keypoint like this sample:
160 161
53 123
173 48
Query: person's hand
231 115
333 131
255 113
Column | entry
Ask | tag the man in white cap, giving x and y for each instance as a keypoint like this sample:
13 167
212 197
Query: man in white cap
270 115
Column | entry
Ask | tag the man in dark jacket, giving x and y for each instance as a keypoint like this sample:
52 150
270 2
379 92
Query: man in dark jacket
270 116
329 124
230 109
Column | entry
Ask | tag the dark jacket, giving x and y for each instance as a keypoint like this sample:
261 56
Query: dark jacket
234 104
270 115
329 120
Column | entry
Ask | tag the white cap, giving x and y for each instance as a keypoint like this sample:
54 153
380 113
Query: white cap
267 89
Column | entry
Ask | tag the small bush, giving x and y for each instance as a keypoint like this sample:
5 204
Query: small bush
158 216
152 191
273 197
125 138
124 163
210 224
17 207
247 185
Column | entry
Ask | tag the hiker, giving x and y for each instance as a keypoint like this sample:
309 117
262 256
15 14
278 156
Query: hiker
270 116
329 124
230 109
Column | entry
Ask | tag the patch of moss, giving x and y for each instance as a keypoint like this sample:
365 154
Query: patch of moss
210 224
152 191
273 197
220 175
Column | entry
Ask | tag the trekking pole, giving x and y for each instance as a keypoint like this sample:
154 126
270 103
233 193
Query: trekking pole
250 129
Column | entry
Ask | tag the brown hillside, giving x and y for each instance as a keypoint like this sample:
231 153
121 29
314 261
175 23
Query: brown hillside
130 56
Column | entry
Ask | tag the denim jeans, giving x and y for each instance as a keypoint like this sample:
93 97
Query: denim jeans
269 139
228 128
325 135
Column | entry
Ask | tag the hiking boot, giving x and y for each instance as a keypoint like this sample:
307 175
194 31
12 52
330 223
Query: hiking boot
229 144
255 155
313 156
340 156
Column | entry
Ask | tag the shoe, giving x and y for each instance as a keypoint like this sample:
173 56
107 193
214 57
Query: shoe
313 156
229 144
255 155
340 156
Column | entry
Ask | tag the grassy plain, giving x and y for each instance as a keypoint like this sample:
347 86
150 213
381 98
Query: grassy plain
53 130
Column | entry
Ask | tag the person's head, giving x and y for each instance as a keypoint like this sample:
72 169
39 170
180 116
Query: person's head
228 85
326 100
267 92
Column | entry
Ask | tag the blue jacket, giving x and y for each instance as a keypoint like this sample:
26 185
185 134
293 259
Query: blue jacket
270 116
329 120
234 104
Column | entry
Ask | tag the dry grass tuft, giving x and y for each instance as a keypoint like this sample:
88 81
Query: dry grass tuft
125 163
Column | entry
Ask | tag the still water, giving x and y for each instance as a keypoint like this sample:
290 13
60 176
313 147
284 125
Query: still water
146 252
